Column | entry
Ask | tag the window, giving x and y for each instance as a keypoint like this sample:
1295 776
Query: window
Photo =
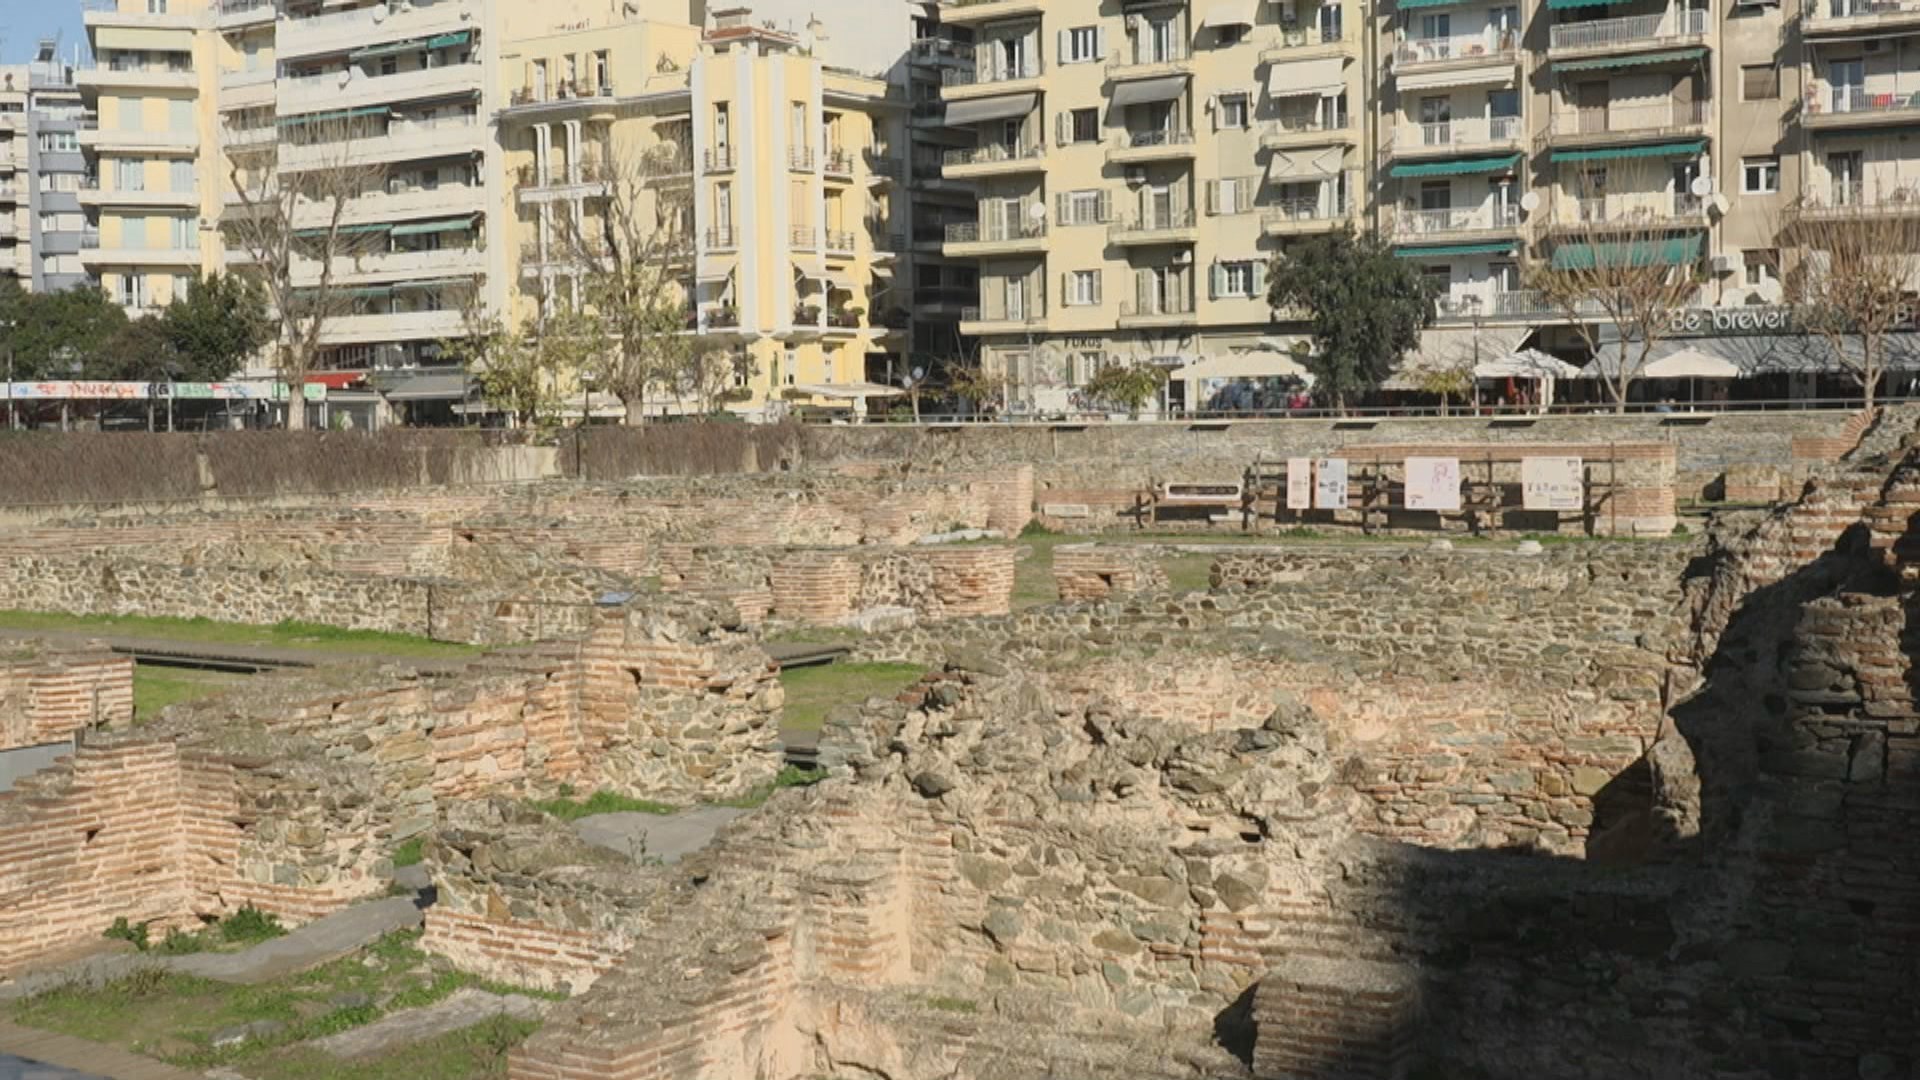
389 65
1759 176
1234 110
1759 82
1330 22
156 7
720 126
1084 125
182 234
1233 279
1232 33
1089 206
1234 194
59 142
1080 45
1082 288
602 70
132 291
797 127
180 176
1763 267
180 116
130 174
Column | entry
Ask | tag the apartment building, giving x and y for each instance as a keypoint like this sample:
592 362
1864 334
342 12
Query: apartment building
48 186
16 252
147 190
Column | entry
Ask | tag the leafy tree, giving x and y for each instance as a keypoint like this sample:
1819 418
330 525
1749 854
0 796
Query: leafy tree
212 331
49 333
520 371
1130 386
1365 306
977 386
1448 381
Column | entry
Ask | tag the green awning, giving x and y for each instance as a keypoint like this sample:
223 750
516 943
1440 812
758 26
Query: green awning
458 37
1616 153
444 41
364 291
434 283
1676 251
1629 60
1457 167
337 114
421 228
1500 247
345 230
1562 5
1409 5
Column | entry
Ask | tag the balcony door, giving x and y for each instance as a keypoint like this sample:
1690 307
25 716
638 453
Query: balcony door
1330 25
1684 174
1015 298
1436 121
1435 29
1849 81
1845 176
1590 104
1157 207
1157 46
1012 55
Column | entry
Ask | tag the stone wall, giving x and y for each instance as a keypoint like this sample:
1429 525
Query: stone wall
829 586
49 693
1089 572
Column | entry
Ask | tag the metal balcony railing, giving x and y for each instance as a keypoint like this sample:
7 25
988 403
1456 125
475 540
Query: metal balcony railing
974 233
839 240
1826 99
720 159
1301 209
1628 30
800 157
1455 219
1491 45
1303 37
1144 55
1141 140
1032 313
580 172
1863 9
804 237
241 7
992 67
838 160
1454 134
1148 224
992 153
1626 119
1165 307
1631 208
1309 122
720 237
935 50
561 91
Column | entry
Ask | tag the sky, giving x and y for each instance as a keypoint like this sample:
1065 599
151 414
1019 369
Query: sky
23 22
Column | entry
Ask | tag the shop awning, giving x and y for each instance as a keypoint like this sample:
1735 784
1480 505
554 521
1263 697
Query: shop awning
423 228
335 380
1230 13
1457 167
1525 364
1440 251
1452 349
981 110
345 230
1271 359
1748 355
1306 165
1484 75
1617 153
1147 91
1307 78
337 114
1675 251
1600 63
849 391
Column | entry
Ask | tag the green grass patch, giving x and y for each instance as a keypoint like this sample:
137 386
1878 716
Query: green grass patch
1189 573
814 691
953 1005
288 634
600 802
815 635
156 686
411 852
790 776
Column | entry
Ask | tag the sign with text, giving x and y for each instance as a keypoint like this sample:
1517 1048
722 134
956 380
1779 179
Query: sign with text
1551 483
1330 484
101 390
1433 483
1299 483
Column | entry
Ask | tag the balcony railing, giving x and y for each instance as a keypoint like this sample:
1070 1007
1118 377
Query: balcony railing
1148 224
839 240
1144 57
1305 208
1031 314
881 162
1828 100
992 153
1627 119
580 172
804 237
961 232
1633 208
933 50
1837 199
1455 219
1455 134
1167 307
1629 30
720 238
561 91
1863 9
1499 304
800 157
720 159
1301 123
997 71
1492 45
1143 140
838 160
1304 37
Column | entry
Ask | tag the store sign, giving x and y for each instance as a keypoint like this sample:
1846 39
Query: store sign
1758 319
101 390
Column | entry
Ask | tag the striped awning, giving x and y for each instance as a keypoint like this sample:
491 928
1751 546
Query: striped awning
1457 167
1675 251
1619 153
1599 63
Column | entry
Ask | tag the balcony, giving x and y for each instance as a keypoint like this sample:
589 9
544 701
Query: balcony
1629 210
353 89
390 267
1860 16
1305 43
993 159
720 238
1142 62
561 99
365 27
882 166
1172 227
1457 136
1626 123
99 255
1460 50
1852 202
588 178
403 141
840 242
141 142
1454 222
240 14
800 158
445 200
995 76
1307 214
1136 146
1628 32
108 13
1497 305
1167 311
391 326
141 76
720 159
837 163
1026 320
247 89
1304 129
1830 106
803 238
930 52
91 194
974 12
1004 239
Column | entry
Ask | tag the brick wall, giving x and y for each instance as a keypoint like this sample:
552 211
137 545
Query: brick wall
49 694
1091 572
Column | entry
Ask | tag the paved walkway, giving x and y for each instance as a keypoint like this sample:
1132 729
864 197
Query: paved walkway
666 837
316 943
26 1054
409 1027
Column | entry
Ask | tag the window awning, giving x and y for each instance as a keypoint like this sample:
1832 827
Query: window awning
447 41
1629 60
1438 251
378 227
422 228
1230 13
1562 5
1484 75
1302 165
1675 251
1307 78
442 41
337 114
1616 153
433 283
1147 91
1458 167
980 110
1409 5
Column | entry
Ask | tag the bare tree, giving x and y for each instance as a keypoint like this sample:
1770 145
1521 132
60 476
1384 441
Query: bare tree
631 251
523 371
1855 267
291 232
1623 260
711 377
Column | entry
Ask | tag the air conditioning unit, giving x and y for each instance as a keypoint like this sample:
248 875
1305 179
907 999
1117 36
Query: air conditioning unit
1136 175
1726 264
1183 256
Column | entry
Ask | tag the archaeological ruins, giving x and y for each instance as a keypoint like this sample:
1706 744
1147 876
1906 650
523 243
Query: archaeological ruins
1383 794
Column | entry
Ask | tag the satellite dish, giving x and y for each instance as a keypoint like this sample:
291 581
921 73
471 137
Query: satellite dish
919 373
1037 212
1702 186
1530 201
1719 203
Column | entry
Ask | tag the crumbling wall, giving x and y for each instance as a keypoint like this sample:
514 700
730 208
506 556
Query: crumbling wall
1090 572
50 693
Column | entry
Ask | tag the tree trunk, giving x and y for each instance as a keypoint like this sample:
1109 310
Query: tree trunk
1869 371
636 412
296 406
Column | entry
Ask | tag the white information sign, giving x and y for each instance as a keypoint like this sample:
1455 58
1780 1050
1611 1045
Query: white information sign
1330 484
1433 483
1299 483
1551 483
